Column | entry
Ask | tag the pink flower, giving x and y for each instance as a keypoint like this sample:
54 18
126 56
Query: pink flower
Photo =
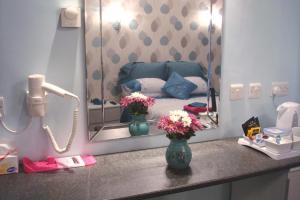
125 101
137 103
177 129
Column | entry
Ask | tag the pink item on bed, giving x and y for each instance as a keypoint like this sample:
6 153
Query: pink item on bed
52 164
195 110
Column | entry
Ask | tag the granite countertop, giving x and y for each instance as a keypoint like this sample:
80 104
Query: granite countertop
141 174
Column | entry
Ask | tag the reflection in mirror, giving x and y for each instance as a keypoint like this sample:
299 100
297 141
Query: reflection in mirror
167 50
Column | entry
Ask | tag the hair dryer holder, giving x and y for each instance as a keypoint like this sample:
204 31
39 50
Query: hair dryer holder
37 106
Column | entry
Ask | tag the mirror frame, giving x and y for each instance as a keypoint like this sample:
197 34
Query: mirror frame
105 126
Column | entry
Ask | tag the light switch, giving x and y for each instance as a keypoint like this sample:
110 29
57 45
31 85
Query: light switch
1 106
71 17
280 88
254 90
236 91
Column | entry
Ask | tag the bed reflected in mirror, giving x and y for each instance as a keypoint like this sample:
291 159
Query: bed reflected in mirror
165 50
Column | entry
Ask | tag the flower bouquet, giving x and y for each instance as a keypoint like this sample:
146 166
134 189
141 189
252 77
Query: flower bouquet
137 106
179 126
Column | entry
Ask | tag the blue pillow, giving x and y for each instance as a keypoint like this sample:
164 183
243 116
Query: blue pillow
178 87
133 85
185 69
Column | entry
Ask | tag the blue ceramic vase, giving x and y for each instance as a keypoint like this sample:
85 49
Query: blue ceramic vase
178 154
138 125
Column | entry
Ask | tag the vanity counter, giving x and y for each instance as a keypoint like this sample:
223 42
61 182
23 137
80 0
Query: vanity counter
142 174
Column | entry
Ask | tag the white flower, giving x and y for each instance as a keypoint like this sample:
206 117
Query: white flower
174 118
179 115
186 121
137 95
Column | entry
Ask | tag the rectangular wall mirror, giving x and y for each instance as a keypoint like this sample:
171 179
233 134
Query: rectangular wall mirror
142 45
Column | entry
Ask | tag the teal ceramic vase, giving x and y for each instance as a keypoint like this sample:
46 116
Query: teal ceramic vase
178 154
138 125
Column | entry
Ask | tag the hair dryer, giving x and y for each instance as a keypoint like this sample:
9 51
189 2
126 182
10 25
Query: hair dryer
38 90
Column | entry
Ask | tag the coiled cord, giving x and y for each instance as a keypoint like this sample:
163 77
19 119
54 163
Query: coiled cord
48 131
15 131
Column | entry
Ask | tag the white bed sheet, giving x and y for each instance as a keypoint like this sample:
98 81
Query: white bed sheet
164 105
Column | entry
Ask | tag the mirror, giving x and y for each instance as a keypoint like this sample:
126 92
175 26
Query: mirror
150 46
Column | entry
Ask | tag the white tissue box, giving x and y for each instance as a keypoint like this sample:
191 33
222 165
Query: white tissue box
9 165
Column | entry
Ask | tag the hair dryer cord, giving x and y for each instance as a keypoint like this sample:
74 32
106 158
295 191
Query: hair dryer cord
15 131
48 131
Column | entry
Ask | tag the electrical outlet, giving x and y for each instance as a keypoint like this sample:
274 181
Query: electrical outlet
280 88
1 106
254 90
236 91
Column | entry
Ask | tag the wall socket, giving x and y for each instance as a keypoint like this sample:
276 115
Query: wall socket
1 106
280 88
254 90
236 91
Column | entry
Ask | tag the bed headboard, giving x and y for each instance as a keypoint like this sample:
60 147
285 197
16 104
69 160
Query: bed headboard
160 70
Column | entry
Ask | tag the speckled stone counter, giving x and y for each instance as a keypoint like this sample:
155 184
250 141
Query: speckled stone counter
142 174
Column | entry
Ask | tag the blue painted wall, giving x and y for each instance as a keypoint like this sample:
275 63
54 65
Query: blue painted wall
261 43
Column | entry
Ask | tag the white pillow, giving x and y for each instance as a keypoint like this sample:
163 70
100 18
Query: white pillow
200 82
152 86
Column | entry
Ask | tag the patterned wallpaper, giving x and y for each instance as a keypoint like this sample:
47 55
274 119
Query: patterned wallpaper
150 31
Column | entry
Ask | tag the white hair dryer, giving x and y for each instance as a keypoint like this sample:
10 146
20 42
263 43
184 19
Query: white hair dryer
37 102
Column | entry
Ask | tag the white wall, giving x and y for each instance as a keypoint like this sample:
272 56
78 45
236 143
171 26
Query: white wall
261 43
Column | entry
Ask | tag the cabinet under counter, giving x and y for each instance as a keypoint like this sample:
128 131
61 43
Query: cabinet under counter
144 174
